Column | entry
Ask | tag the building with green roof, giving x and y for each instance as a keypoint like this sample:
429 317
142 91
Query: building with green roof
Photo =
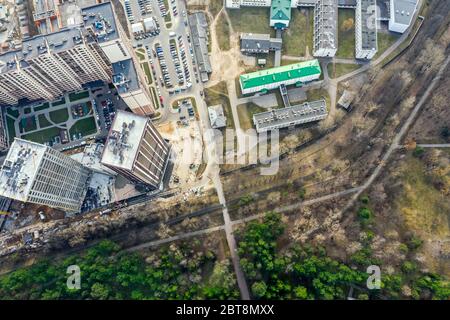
280 14
297 73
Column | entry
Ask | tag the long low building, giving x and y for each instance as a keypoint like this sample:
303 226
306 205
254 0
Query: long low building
268 79
290 116
252 43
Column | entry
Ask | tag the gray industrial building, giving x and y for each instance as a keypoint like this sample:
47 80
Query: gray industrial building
290 116
325 28
217 117
35 173
252 43
199 33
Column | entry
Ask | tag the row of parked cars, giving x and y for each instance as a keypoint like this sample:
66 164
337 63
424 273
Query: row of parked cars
145 7
176 62
159 53
128 11
162 8
109 112
184 60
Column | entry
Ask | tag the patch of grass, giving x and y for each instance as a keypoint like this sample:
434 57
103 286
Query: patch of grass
27 110
295 38
246 112
336 70
169 25
28 124
148 74
346 33
42 107
424 208
218 94
84 126
215 6
43 121
59 116
385 40
11 128
318 94
42 136
140 55
223 32
168 17
251 19
78 95
155 97
13 112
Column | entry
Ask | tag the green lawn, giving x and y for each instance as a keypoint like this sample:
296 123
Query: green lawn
223 32
318 94
167 18
42 107
58 103
336 70
84 126
11 129
214 7
296 37
251 19
385 40
43 121
140 55
27 110
60 115
28 124
146 69
13 112
78 95
42 136
346 33
246 112
155 97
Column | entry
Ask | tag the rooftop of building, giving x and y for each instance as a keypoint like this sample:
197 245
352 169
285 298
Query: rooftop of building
91 157
279 74
404 10
280 10
217 116
304 112
369 30
123 140
198 25
20 168
99 18
326 28
125 76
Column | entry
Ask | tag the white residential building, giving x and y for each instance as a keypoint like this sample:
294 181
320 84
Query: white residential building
35 173
325 28
365 29
401 14
49 65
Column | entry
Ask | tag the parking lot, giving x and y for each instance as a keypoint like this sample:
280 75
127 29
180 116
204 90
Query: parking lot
161 29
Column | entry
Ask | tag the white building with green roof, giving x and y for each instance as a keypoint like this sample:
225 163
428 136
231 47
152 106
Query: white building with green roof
297 73
280 14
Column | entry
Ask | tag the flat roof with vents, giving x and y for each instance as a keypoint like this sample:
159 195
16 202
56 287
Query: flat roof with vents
20 168
280 74
290 116
123 140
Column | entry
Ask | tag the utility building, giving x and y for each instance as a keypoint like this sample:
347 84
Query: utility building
136 150
297 73
35 173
